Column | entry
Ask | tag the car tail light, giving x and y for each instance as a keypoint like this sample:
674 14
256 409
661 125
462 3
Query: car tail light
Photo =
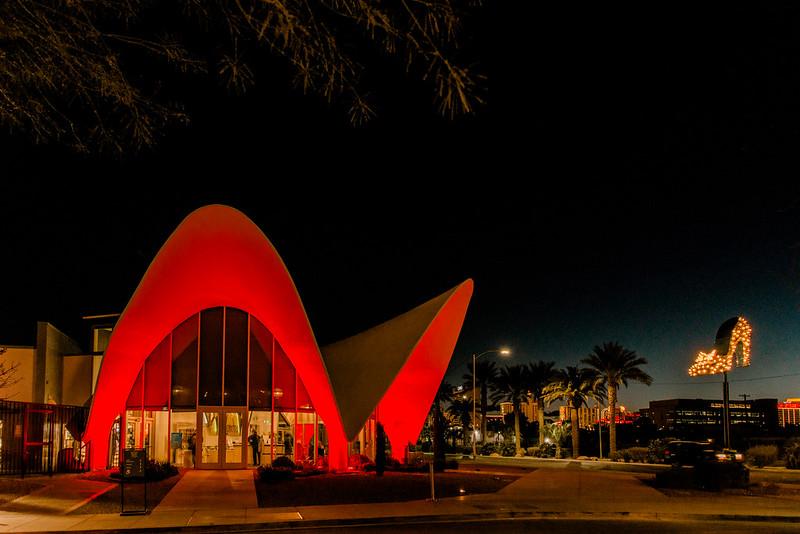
739 456
722 457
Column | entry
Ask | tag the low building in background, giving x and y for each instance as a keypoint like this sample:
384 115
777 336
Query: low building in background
789 412
702 418
44 409
588 416
528 409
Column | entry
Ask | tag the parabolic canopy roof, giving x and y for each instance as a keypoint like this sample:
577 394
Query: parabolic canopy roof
219 257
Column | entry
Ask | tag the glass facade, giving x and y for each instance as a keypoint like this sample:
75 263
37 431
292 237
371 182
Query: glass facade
184 363
220 392
210 374
235 357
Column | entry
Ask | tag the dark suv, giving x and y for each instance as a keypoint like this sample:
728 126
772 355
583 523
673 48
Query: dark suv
680 453
696 453
712 468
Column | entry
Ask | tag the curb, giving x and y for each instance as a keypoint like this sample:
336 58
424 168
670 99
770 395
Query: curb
447 518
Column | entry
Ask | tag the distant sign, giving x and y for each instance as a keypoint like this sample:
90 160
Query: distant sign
135 460
175 440
738 405
731 349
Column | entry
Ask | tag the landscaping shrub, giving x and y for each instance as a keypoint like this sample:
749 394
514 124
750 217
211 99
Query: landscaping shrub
636 454
622 455
488 448
416 464
159 470
655 450
360 461
762 455
508 449
153 471
308 472
391 464
532 451
546 450
283 462
793 454
275 474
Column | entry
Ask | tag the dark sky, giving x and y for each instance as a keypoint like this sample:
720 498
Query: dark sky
632 178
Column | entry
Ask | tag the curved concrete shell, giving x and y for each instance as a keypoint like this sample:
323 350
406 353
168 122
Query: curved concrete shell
218 257
397 366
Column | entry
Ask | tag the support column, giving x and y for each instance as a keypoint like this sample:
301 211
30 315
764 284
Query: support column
726 412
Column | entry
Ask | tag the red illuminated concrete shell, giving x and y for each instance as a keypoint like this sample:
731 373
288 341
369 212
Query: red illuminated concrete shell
218 257
397 366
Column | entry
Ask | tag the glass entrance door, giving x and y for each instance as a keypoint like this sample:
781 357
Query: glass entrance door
221 444
234 444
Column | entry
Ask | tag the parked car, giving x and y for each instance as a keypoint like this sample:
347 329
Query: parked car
695 453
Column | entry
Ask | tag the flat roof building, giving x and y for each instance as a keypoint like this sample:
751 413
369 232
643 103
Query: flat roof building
702 418
789 412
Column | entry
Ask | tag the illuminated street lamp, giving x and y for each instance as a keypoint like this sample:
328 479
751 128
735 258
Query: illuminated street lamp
502 352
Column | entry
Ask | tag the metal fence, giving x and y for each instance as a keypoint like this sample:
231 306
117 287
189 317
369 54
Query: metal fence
42 438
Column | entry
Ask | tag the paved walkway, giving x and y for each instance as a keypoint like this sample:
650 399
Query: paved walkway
60 495
209 498
212 490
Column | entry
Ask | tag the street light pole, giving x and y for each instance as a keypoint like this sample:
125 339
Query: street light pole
600 433
474 436
504 352
600 430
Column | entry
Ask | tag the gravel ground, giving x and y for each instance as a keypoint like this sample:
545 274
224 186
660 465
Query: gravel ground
367 488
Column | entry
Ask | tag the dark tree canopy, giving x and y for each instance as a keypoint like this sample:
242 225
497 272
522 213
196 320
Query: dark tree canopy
92 73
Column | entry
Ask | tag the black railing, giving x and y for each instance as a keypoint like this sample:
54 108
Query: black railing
42 438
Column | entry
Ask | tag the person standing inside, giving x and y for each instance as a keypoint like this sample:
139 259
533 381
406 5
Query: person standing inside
254 442
288 441
191 443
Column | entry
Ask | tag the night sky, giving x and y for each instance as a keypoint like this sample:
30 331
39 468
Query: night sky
630 182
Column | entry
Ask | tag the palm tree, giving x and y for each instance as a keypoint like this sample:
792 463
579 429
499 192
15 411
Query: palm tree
461 410
575 386
511 385
485 373
616 365
558 431
539 375
443 394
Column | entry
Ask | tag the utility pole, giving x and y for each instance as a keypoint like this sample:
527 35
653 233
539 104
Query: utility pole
744 396
726 414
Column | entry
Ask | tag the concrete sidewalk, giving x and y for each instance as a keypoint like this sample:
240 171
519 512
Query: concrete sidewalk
61 494
571 491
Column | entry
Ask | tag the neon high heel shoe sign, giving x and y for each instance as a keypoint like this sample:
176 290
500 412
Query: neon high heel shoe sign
731 349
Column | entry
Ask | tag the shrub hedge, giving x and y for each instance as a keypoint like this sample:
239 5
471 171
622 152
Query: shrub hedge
762 455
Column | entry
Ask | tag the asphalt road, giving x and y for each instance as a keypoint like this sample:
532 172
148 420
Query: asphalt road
566 526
